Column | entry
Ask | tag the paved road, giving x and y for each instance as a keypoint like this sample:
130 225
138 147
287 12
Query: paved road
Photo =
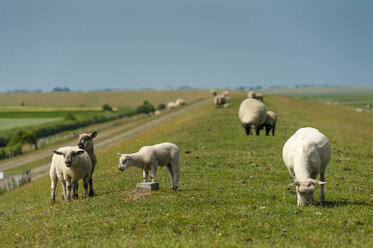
104 140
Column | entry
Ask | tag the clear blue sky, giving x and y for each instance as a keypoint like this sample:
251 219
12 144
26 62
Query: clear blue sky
121 44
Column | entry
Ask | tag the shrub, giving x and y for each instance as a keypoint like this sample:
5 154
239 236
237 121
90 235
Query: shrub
161 106
107 107
145 108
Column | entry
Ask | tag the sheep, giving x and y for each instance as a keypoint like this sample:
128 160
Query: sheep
149 157
259 96
85 141
180 102
270 123
157 112
219 100
69 165
225 94
251 94
252 113
171 105
306 154
213 92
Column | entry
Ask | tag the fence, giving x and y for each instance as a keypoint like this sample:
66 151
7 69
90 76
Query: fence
15 181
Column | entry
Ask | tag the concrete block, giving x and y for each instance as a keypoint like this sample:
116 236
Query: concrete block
147 186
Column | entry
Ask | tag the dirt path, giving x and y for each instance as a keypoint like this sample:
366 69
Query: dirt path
103 141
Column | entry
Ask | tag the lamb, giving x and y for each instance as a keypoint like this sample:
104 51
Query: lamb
85 141
252 113
270 123
171 105
180 102
213 92
306 154
259 96
225 94
69 164
219 100
251 94
149 157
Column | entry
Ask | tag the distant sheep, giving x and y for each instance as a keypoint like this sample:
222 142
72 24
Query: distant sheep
306 154
69 164
180 102
252 113
270 123
171 105
149 158
85 141
225 93
213 92
219 100
251 94
259 96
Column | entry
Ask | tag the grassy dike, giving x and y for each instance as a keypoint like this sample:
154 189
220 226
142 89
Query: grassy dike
233 189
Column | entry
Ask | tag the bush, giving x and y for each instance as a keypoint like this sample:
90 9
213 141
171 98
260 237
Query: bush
107 107
70 117
23 137
145 108
161 106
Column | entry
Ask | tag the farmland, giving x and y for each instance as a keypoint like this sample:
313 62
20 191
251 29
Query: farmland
233 188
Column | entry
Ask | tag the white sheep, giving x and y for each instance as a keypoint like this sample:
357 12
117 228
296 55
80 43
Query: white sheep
251 94
85 141
225 94
306 155
180 102
219 100
259 96
69 164
270 123
252 113
149 157
213 92
171 105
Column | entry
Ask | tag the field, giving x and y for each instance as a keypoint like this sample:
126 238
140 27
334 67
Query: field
7 123
233 189
352 97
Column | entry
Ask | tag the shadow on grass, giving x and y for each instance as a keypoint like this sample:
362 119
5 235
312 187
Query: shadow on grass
334 204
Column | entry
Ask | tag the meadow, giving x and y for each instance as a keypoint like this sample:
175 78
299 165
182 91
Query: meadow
232 193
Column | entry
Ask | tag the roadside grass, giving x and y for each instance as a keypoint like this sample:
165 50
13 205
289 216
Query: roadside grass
232 192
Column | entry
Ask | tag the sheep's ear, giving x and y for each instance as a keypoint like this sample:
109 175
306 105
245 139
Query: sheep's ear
76 135
80 152
317 182
58 153
296 183
94 134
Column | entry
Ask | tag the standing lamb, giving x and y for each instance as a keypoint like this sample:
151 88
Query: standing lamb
306 154
149 157
252 113
270 123
219 100
85 141
69 165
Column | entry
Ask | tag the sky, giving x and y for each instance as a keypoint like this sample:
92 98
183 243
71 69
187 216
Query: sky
136 44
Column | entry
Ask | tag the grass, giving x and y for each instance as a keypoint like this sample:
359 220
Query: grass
233 189
7 123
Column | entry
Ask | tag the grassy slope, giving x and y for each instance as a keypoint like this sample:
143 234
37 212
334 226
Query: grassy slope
235 187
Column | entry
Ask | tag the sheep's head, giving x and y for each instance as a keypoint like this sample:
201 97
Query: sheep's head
124 161
247 127
85 140
69 156
305 190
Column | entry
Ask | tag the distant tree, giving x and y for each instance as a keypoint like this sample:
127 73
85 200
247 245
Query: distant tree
23 137
145 108
161 106
22 104
107 107
58 89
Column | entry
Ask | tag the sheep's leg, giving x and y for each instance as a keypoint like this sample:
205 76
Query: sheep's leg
171 173
85 185
145 174
273 131
176 172
322 192
63 183
257 130
54 181
91 192
75 185
267 130
68 189
153 172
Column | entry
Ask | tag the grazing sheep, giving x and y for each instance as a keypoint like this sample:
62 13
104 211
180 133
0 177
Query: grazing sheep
259 96
270 123
219 100
180 102
359 110
306 154
85 141
213 92
171 105
252 113
149 157
251 94
69 165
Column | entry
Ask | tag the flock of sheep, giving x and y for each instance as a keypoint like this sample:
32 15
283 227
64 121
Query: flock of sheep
306 155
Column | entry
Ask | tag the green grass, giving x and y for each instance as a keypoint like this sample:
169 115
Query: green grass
7 123
233 189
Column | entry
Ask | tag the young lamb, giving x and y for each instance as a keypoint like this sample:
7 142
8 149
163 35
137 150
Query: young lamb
69 164
251 94
270 123
149 157
85 141
252 113
306 154
213 92
171 105
219 100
